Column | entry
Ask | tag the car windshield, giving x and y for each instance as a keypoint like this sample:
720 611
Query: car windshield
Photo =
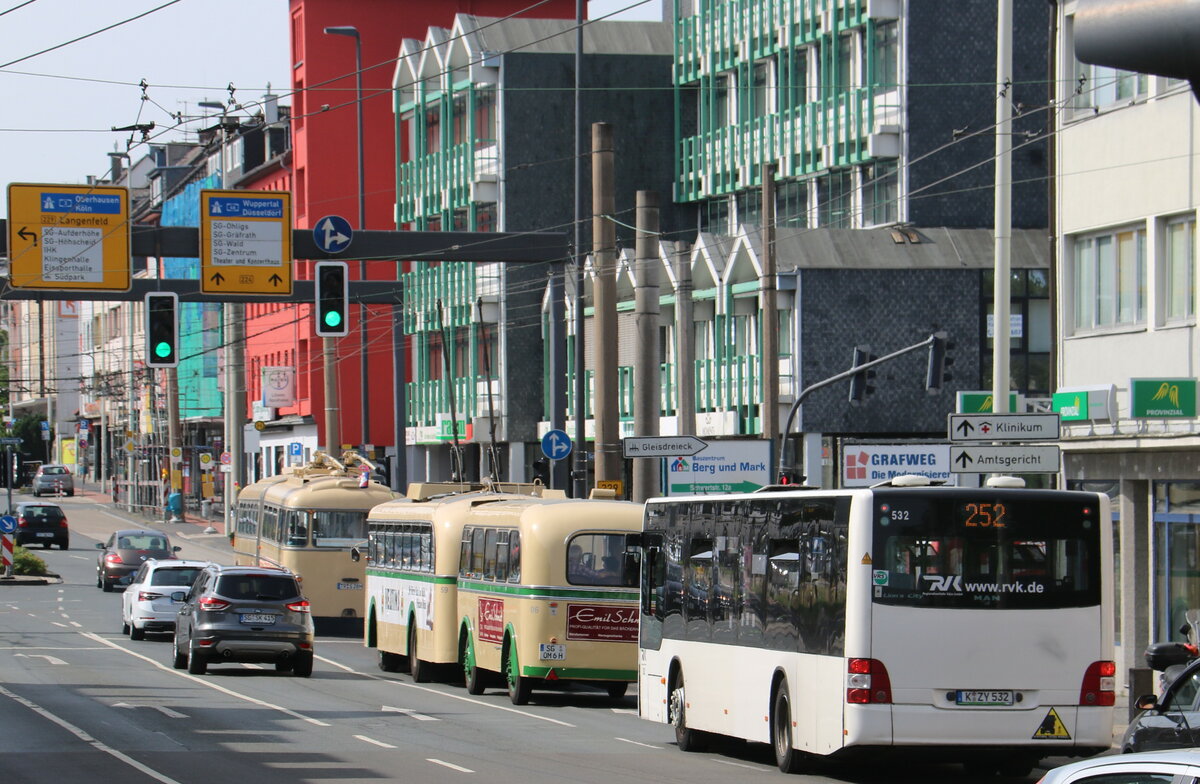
141 542
181 576
262 587
54 470
42 513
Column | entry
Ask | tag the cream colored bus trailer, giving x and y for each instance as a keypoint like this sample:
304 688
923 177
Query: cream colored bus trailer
515 584
307 521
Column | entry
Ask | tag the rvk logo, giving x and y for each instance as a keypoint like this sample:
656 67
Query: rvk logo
949 584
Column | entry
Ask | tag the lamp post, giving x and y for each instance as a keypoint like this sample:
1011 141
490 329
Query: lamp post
352 32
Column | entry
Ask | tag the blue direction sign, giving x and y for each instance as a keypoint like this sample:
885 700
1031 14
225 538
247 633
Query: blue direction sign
556 444
8 524
333 234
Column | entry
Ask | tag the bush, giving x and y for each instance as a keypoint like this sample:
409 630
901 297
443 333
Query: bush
25 562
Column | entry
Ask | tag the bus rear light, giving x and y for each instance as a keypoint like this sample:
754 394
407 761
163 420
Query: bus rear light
867 682
1099 684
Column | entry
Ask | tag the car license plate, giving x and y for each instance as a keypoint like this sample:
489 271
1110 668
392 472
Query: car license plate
264 619
977 697
552 651
46 534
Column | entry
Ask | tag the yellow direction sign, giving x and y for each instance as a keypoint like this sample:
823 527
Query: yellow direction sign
68 237
246 242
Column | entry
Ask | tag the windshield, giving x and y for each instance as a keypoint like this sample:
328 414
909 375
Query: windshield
981 549
338 528
597 559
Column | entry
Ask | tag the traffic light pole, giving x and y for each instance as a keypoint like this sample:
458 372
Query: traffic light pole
787 427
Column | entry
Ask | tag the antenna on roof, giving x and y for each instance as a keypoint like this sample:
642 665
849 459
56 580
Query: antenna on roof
492 454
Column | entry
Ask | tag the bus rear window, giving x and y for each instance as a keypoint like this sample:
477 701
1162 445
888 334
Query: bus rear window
598 559
980 551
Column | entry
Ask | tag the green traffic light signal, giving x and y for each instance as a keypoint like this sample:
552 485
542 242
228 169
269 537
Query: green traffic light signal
162 350
162 329
332 298
333 319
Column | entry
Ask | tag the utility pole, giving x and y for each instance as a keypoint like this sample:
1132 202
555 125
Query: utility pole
769 412
1003 208
333 435
579 455
646 373
604 252
131 413
173 441
685 342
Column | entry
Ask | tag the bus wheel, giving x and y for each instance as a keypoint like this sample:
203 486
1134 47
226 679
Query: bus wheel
418 668
686 738
617 690
1017 767
472 677
390 662
519 687
786 756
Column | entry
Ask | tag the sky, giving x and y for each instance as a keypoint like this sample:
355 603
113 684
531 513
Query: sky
61 105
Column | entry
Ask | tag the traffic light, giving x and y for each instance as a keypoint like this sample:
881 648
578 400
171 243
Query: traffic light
333 299
162 329
1147 36
860 382
935 372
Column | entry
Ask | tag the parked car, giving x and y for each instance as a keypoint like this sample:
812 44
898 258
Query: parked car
1181 766
124 551
1171 721
146 605
53 479
244 614
45 524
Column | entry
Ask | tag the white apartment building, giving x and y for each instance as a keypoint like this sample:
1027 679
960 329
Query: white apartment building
1128 345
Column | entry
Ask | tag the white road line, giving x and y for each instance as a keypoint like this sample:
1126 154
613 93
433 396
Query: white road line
83 736
77 625
452 696
49 659
379 743
739 765
63 625
203 682
410 713
449 765
635 743
627 711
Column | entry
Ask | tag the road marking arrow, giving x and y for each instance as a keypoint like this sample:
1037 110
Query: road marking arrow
49 659
410 713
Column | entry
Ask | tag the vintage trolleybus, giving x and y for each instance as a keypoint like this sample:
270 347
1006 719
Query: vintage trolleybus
521 588
307 521
962 624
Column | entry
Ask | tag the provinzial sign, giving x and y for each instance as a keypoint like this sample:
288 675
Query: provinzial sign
68 237
245 242
981 402
1154 398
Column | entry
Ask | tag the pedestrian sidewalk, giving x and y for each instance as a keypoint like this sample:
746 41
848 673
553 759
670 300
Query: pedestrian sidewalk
156 516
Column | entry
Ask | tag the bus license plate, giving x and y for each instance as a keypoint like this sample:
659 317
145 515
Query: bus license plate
983 697
552 651
262 619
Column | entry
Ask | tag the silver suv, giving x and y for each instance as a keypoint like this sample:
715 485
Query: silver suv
244 614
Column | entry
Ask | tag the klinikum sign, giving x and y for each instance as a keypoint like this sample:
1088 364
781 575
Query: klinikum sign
1152 398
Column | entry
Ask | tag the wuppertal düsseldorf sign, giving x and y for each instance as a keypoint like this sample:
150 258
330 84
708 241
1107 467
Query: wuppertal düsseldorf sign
68 237
246 242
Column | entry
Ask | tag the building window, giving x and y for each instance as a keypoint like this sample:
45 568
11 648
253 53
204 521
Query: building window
881 193
433 131
761 90
845 63
714 216
1110 279
798 77
1104 86
791 204
485 118
720 109
459 119
749 207
887 55
1180 265
835 197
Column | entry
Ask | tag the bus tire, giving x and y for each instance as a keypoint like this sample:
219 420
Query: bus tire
1017 767
686 738
390 662
617 690
418 668
786 755
519 687
472 677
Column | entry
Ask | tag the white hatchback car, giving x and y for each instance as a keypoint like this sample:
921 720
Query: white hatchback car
1177 766
146 605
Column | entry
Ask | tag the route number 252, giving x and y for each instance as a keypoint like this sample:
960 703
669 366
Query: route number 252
985 515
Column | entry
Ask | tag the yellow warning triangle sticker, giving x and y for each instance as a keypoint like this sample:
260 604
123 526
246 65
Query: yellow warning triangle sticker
1052 728
866 559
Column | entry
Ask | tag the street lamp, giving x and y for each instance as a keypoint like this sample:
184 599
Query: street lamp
362 218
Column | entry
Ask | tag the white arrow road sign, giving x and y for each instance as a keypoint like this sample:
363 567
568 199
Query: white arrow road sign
662 446
1042 459
1003 427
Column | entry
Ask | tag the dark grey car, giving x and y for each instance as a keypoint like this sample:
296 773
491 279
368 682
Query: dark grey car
1170 722
244 614
43 524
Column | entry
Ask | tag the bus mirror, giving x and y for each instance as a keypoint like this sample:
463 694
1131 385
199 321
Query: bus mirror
355 554
632 567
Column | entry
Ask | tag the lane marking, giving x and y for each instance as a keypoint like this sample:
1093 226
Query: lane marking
635 743
378 743
410 713
203 682
164 710
88 739
739 765
451 695
49 659
449 765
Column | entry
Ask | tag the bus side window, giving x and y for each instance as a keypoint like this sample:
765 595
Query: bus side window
514 556
502 557
464 554
489 554
477 553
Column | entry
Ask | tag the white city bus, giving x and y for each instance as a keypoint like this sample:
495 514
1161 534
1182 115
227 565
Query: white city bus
522 588
960 624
